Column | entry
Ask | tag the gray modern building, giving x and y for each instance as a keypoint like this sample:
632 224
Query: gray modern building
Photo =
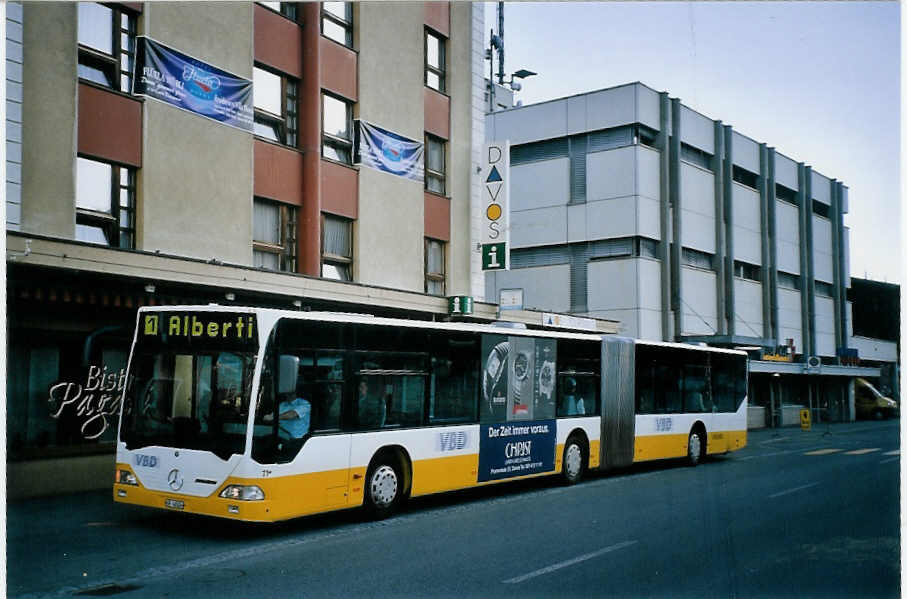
627 204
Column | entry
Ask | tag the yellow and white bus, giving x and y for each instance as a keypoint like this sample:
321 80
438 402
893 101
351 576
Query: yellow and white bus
264 415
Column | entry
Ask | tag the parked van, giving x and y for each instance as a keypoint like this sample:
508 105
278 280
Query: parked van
872 404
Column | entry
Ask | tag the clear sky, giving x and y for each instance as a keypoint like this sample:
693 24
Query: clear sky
819 81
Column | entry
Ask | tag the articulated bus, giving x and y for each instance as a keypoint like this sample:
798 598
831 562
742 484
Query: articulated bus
264 415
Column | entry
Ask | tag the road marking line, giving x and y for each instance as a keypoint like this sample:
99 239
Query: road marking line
895 452
822 451
794 490
861 451
894 459
569 562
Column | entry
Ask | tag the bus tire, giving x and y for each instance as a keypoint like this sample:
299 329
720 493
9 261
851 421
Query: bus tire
383 488
573 465
695 447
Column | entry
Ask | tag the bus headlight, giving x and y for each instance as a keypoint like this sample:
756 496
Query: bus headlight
243 493
125 477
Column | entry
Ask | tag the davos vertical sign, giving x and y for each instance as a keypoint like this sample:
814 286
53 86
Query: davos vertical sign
169 76
495 239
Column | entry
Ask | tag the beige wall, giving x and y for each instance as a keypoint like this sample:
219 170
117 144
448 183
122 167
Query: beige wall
195 192
49 119
460 81
390 40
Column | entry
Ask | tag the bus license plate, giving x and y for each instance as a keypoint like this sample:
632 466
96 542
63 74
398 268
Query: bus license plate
175 504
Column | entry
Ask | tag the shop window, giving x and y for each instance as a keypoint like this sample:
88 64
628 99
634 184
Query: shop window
435 164
287 9
105 203
106 45
274 235
337 248
276 99
435 61
337 129
434 267
337 22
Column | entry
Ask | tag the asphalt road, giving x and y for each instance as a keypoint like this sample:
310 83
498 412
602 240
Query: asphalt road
793 515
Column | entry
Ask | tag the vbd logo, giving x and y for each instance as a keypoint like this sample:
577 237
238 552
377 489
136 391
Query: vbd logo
149 461
452 441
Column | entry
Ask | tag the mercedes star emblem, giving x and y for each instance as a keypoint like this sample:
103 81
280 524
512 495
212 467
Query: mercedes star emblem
175 480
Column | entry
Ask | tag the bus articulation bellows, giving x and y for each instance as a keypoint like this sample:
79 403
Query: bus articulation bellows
264 415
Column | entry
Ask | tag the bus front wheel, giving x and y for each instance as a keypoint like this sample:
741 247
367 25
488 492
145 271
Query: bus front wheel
574 465
694 448
384 488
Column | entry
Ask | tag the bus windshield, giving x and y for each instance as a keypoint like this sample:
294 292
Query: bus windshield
191 392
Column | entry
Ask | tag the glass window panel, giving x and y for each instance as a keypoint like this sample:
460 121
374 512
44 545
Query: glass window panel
267 130
432 80
432 50
271 5
124 176
91 234
436 155
93 186
338 9
124 21
125 83
336 32
339 154
124 219
336 118
266 91
267 260
435 257
96 26
435 184
93 73
338 272
266 222
337 237
435 287
126 240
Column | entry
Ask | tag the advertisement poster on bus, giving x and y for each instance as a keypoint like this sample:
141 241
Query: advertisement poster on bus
517 448
518 378
180 80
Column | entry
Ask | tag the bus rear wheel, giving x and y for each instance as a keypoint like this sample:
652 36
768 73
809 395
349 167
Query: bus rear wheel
694 448
574 462
383 490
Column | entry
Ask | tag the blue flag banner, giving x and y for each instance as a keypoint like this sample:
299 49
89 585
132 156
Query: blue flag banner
170 76
386 151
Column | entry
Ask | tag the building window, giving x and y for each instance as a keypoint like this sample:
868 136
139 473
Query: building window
106 45
273 236
745 177
788 281
336 248
435 164
276 99
821 209
434 267
105 203
750 272
697 259
337 126
337 22
824 289
435 61
785 194
287 9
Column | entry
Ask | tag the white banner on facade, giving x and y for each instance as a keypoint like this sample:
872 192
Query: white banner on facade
495 238
387 151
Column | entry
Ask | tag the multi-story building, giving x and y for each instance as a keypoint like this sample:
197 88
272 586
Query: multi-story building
117 199
627 204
